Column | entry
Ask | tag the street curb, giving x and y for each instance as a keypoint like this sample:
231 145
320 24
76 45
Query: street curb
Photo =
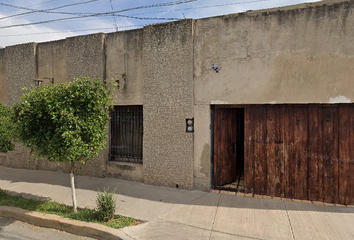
85 229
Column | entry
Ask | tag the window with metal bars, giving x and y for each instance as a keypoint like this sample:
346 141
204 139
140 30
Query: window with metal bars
126 134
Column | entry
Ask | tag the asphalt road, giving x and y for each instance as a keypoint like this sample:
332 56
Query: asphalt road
15 230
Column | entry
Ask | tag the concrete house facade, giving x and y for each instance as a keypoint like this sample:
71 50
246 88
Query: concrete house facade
268 92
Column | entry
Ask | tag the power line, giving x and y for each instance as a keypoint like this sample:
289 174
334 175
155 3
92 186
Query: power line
35 10
115 23
69 31
33 5
105 13
202 7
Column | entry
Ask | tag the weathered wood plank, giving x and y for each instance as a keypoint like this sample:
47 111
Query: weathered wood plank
260 180
271 152
335 155
344 152
249 150
279 151
225 136
301 149
350 177
216 140
330 152
289 151
315 153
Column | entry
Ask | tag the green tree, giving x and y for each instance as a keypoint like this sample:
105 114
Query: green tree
65 122
7 128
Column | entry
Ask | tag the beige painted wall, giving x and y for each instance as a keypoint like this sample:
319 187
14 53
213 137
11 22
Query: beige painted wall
51 61
124 56
297 54
3 87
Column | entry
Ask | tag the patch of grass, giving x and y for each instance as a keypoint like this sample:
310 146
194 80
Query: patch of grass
51 207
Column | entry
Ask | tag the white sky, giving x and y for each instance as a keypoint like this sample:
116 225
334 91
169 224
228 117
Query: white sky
11 35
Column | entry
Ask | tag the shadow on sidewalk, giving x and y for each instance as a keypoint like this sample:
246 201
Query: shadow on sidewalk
140 190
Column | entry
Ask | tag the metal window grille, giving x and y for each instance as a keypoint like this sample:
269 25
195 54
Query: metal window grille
126 134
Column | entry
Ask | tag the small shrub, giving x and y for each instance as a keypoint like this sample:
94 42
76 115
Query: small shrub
105 205
7 128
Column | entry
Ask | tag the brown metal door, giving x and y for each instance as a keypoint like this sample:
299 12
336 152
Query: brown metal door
225 137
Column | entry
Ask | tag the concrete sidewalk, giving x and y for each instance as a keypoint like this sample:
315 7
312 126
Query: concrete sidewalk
181 214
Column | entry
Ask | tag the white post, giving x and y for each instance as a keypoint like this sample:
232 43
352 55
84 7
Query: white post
72 181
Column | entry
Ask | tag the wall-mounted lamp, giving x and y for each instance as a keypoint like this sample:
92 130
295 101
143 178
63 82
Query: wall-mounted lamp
189 125
215 68
39 81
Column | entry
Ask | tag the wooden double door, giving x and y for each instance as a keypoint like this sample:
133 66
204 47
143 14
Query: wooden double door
293 151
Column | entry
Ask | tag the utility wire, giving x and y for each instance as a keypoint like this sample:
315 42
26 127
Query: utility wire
180 9
104 13
32 5
115 23
68 31
38 11
202 7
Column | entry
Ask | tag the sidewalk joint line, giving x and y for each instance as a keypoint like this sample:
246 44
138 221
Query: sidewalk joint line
291 227
188 225
217 208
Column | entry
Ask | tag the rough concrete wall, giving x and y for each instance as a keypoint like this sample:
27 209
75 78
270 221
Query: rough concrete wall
168 101
124 56
20 70
85 56
296 54
3 88
51 61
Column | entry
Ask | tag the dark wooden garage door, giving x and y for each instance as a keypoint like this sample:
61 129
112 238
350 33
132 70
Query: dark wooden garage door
225 133
300 151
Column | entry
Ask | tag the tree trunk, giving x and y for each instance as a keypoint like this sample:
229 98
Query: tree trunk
72 181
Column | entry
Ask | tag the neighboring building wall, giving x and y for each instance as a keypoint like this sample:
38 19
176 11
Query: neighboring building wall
20 72
124 57
168 101
3 87
296 54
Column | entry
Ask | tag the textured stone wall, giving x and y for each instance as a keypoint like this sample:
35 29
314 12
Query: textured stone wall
168 101
3 87
20 70
85 56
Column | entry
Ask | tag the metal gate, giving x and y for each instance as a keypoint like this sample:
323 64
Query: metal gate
126 134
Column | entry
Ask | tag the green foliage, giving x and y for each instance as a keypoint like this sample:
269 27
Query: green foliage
65 122
51 207
106 205
7 128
